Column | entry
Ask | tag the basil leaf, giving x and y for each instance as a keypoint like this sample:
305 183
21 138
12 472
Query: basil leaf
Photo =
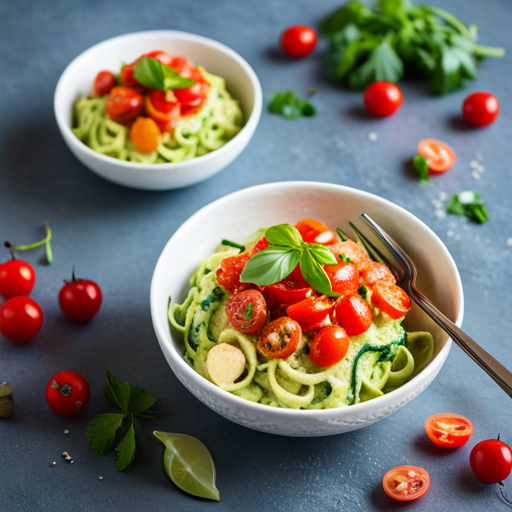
421 166
470 205
322 254
314 274
270 266
154 75
283 235
290 105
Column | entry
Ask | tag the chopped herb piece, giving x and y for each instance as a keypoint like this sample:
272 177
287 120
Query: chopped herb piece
248 312
345 259
290 105
229 243
470 205
421 166
362 290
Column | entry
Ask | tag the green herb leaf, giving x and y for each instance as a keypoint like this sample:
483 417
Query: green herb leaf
189 465
420 164
117 393
315 274
322 254
345 259
469 204
362 290
283 235
101 431
126 448
290 105
229 243
248 312
270 266
154 75
141 401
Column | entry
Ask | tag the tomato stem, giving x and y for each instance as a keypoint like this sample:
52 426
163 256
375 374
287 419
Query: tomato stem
45 242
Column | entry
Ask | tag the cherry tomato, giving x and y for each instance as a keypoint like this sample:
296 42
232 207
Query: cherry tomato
298 41
183 67
491 461
67 393
127 76
17 278
312 312
289 292
329 346
391 299
373 272
145 134
163 108
344 277
449 430
124 105
228 275
354 314
406 483
481 108
104 82
160 56
260 245
315 232
354 252
195 95
80 299
247 311
280 338
381 99
21 319
439 156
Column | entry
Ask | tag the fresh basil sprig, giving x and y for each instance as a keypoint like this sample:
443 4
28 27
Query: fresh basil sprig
154 75
470 205
286 249
421 166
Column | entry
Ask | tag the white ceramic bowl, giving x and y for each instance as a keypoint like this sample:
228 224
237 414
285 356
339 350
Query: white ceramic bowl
78 77
236 217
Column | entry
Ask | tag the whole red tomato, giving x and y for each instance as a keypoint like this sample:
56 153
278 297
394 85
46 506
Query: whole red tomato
491 461
17 278
382 99
298 41
21 319
481 108
67 393
80 299
104 82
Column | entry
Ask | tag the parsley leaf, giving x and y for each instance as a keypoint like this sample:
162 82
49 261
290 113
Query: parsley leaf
420 164
470 205
290 105
126 449
140 402
116 392
101 431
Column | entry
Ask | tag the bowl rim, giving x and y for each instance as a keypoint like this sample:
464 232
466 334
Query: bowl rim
419 381
251 122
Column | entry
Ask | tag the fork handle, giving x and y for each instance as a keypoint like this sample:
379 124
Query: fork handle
495 369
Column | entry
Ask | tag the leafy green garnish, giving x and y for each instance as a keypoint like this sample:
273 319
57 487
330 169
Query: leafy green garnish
345 259
421 166
103 429
362 290
290 105
154 75
229 243
248 313
393 37
470 205
286 249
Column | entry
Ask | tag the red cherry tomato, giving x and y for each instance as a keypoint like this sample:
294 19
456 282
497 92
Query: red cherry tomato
298 41
315 232
127 76
481 108
183 67
247 311
17 278
449 430
165 113
391 299
312 312
289 292
280 338
439 156
344 277
160 56
104 82
228 275
354 252
382 99
491 461
354 314
124 105
21 319
260 245
406 483
195 95
373 272
80 299
67 393
329 346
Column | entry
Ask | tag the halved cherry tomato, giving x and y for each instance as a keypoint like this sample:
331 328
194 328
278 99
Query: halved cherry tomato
160 56
126 76
145 134
382 99
491 461
280 338
344 277
289 292
164 112
315 232
182 66
247 311
373 272
406 483
354 252
329 346
439 156
261 244
353 314
481 108
104 82
312 312
298 41
449 430
391 299
228 275
195 95
124 105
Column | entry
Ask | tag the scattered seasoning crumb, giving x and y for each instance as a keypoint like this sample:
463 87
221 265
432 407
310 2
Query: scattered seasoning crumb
66 431
473 164
100 478
372 136
436 203
475 175
442 196
480 168
67 457
450 233
509 242
479 156
441 214
53 464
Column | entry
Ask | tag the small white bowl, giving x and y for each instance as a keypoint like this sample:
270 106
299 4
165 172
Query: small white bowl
78 77
240 214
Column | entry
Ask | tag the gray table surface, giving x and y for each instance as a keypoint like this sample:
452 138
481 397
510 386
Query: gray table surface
114 235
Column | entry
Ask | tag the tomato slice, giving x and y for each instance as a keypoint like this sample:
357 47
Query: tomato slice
373 272
195 95
124 105
439 156
261 244
280 338
312 312
165 113
228 274
329 346
391 299
160 56
247 311
406 483
354 314
288 292
315 232
344 277
449 430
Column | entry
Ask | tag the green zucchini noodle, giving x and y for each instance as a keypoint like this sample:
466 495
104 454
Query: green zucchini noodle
377 361
217 122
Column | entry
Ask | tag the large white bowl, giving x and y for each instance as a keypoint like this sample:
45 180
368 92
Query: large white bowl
77 79
238 215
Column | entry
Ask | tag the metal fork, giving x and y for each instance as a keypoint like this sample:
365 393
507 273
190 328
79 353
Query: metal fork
406 271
